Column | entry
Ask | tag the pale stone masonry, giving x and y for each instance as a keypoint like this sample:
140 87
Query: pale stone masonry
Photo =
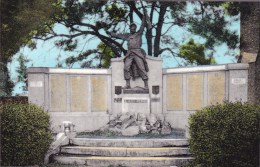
90 97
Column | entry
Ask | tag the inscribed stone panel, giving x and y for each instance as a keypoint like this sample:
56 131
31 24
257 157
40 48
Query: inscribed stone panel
139 103
98 94
79 94
194 92
216 87
174 92
58 93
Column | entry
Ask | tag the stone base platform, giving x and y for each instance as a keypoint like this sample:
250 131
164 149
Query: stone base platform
122 161
125 152
135 143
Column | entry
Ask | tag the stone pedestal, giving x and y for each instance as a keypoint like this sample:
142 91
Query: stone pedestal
144 102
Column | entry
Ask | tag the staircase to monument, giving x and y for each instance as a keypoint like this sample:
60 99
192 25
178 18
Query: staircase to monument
124 152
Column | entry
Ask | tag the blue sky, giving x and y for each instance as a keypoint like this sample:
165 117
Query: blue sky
47 55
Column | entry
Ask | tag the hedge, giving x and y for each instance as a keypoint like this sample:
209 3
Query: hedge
25 134
226 135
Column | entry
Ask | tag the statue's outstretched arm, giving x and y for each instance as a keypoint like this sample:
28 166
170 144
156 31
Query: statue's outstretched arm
145 21
141 30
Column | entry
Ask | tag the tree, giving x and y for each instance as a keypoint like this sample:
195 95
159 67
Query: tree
19 22
195 54
92 18
6 85
21 70
257 79
250 42
250 23
211 23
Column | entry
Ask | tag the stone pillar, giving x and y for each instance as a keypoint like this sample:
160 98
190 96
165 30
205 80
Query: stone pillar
155 85
238 82
37 86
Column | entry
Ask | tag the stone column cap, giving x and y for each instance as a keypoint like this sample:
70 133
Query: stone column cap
68 70
206 68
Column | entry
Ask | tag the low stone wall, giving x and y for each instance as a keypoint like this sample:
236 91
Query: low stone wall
81 96
187 90
89 97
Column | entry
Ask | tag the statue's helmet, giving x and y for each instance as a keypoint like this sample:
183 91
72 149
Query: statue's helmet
133 25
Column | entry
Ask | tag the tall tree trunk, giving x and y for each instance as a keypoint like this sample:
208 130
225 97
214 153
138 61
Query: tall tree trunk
157 39
1 65
250 23
257 64
250 45
257 78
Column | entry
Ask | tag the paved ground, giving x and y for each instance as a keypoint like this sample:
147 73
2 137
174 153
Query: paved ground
58 165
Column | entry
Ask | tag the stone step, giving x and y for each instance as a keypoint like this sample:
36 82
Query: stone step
132 143
98 161
125 152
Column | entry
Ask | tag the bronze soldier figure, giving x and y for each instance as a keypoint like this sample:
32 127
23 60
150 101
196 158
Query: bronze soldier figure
135 64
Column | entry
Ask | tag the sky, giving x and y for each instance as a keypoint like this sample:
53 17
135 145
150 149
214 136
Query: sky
47 55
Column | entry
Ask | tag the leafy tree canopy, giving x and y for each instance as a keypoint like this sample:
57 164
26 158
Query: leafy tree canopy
20 21
21 70
91 19
194 53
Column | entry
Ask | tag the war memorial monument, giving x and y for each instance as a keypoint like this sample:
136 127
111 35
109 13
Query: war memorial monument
136 95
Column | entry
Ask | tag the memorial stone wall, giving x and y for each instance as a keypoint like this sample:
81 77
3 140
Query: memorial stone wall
91 97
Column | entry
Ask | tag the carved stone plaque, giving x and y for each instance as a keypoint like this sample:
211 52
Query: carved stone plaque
135 101
118 100
118 90
238 81
156 90
139 104
155 99
36 84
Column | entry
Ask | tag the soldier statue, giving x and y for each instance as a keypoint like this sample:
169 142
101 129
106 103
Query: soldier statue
135 64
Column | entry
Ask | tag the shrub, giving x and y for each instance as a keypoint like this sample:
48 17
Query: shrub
226 135
25 134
